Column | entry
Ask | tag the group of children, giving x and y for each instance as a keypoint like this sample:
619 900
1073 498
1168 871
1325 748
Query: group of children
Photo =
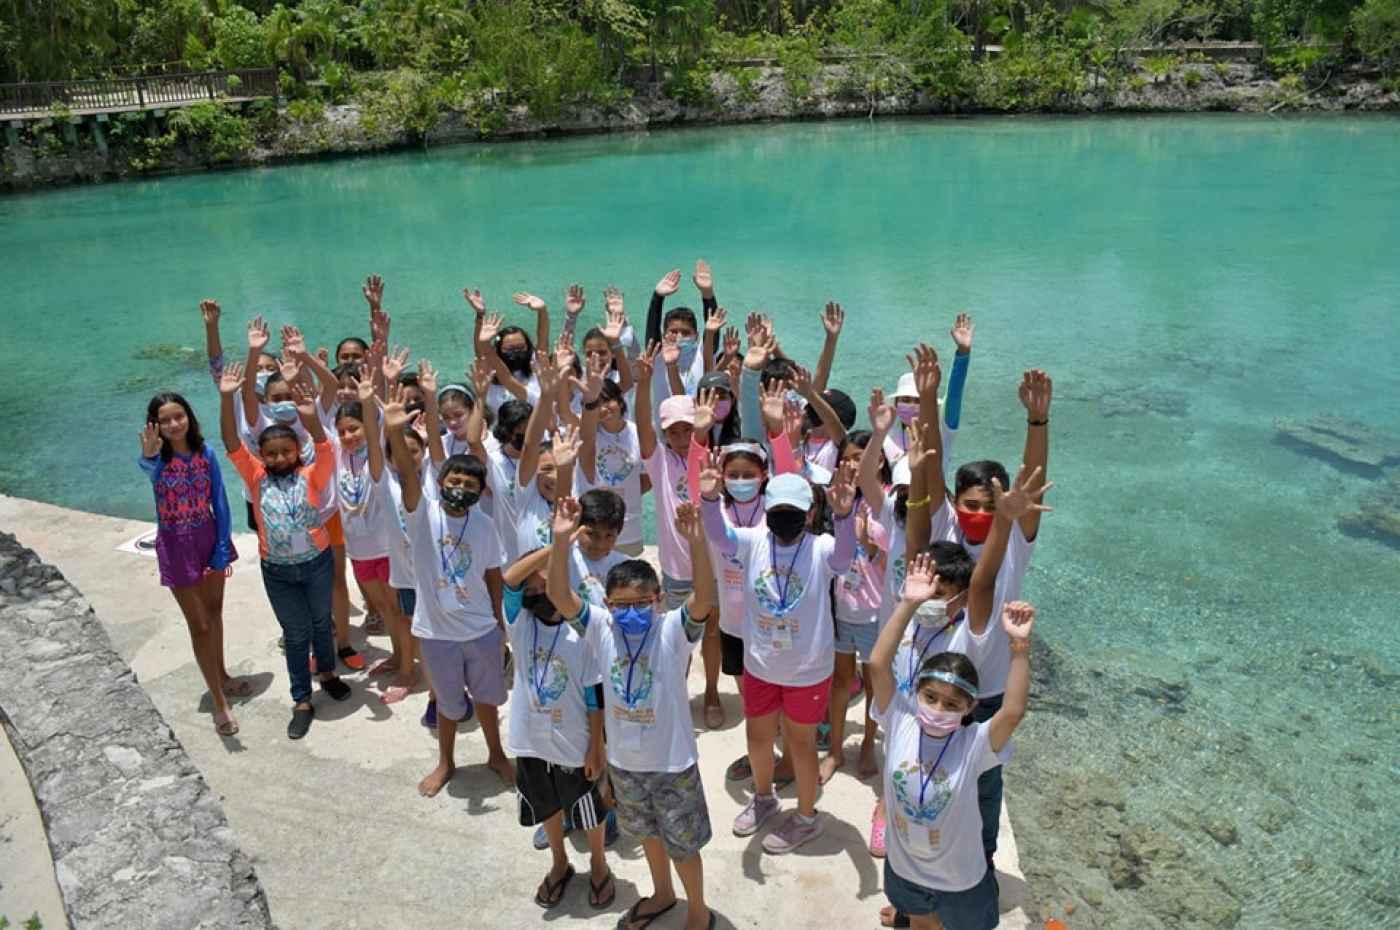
493 527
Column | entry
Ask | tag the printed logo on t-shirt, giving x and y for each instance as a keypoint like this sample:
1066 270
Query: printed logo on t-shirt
908 779
683 489
592 589
555 675
544 534
353 498
457 560
638 689
779 591
897 568
614 465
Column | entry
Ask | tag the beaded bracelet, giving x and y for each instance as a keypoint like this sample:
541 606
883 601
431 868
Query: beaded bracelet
1023 644
1045 422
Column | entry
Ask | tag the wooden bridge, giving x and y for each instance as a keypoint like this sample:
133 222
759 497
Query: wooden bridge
20 102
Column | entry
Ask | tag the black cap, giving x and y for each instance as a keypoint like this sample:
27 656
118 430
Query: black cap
843 405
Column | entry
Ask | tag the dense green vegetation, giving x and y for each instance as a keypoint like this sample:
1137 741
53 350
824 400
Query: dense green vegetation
419 56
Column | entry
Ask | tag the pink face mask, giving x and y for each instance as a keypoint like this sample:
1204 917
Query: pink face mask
938 723
907 413
722 409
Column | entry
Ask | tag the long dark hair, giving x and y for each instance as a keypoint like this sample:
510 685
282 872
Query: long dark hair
194 437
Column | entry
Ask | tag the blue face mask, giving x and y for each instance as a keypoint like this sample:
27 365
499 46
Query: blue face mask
634 621
284 411
688 344
261 380
743 490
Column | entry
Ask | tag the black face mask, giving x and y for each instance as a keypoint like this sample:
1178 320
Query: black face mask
516 359
283 471
541 606
459 498
787 525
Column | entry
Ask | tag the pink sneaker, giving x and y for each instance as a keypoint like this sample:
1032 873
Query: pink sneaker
877 836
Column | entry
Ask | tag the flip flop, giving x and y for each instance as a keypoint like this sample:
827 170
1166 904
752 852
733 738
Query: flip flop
395 693
238 687
633 914
595 891
553 892
225 723
382 667
739 769
781 783
714 716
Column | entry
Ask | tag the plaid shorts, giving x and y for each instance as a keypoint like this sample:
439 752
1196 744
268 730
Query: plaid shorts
668 805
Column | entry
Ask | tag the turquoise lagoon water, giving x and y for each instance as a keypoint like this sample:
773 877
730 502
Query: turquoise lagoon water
1213 740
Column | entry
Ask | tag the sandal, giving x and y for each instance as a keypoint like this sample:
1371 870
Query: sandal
714 716
739 769
225 723
352 659
635 915
238 687
374 624
596 900
877 837
382 667
781 783
395 693
551 893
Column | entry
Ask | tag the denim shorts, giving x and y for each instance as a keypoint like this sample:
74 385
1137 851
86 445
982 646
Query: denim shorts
973 909
856 638
675 590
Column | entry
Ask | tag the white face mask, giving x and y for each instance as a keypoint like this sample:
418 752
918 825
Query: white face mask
932 614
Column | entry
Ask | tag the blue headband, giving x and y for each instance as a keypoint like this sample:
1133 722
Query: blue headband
962 684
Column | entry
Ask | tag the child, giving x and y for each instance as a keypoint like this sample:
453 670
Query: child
666 465
610 455
298 568
787 634
650 741
194 539
556 730
935 872
508 352
685 363
458 588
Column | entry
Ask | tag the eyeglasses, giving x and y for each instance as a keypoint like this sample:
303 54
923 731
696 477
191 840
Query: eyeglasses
620 605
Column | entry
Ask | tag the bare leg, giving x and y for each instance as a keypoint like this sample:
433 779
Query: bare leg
447 761
598 871
692 873
869 767
761 732
710 655
554 830
663 893
380 598
800 744
340 600
841 678
206 648
496 759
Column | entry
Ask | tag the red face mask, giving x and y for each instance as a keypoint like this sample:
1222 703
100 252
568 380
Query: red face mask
976 525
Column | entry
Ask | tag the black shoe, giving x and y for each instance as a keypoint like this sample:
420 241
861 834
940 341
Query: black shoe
336 688
301 722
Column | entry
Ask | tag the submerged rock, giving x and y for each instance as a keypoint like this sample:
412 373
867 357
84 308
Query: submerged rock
1137 400
1341 438
1378 514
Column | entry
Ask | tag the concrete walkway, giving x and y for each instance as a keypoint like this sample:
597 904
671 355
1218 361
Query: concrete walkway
334 823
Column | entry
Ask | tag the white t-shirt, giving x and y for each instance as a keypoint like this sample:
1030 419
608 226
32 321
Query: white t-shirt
360 507
991 651
502 472
618 466
823 454
532 529
451 556
589 577
553 666
646 704
919 644
671 486
898 561
935 829
497 395
730 572
789 634
691 370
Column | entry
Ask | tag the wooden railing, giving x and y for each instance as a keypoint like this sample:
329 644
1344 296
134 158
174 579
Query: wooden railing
138 93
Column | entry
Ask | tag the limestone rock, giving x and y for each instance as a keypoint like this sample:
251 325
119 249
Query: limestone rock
1342 438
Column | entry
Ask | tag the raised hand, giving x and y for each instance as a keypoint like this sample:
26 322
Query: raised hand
712 475
833 318
1018 619
531 301
614 324
374 357
364 388
150 440
881 414
547 375
962 333
716 320
574 300
396 416
670 283
490 327
232 380
689 525
703 279
394 364
305 397
258 334
478 303
794 423
920 578
771 399
760 345
613 299
427 377
917 451
292 342
209 309
324 355
704 412
480 373
592 384
1024 495
289 367
564 353
1036 389
927 373
565 447
645 364
801 381
842 493
379 323
568 515
670 349
374 292
731 342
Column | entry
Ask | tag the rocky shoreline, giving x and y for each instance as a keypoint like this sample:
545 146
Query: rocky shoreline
760 94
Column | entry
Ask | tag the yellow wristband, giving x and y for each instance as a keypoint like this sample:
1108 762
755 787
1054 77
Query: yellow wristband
913 505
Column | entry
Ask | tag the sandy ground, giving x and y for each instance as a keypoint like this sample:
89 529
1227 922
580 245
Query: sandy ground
334 823
27 884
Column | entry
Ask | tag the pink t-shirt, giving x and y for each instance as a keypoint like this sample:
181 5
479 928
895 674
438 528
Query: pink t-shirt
671 485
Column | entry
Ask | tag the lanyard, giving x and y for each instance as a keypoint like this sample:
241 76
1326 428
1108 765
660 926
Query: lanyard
452 444
354 481
752 519
632 658
918 653
289 498
444 554
924 783
537 677
782 582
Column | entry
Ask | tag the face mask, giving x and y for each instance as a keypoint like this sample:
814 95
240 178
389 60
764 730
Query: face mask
687 344
516 359
284 411
459 498
633 621
938 723
261 380
282 471
932 614
541 606
793 397
975 526
907 413
743 490
787 525
722 409
516 442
